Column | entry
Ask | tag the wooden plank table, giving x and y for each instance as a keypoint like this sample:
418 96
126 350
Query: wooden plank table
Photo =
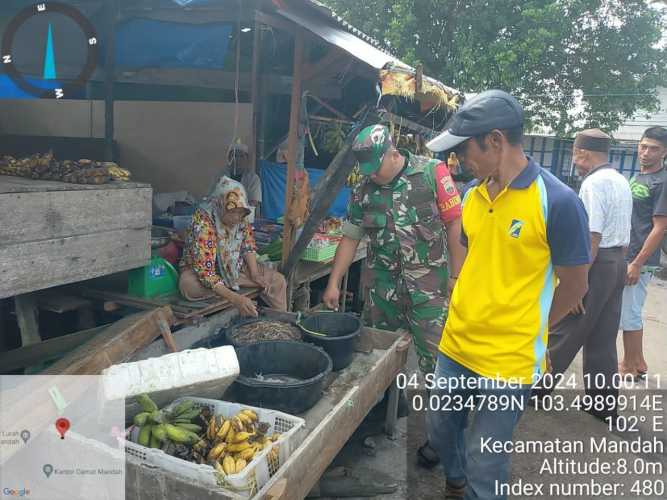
329 424
56 233
185 312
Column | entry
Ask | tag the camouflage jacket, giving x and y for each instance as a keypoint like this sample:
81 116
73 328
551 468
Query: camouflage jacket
401 220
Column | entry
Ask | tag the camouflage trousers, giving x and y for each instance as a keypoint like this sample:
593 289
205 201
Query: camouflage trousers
393 309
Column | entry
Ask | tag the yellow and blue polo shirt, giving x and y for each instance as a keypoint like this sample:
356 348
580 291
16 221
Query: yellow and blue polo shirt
498 316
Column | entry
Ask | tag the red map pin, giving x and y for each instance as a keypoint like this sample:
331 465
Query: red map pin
62 426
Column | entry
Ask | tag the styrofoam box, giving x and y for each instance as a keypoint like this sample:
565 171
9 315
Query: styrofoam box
254 476
202 372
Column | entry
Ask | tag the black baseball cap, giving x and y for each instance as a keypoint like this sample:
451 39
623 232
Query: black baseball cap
493 109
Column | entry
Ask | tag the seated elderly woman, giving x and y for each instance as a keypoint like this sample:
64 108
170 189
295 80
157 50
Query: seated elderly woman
219 255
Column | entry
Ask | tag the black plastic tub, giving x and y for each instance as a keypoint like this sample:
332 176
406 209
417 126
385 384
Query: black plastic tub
337 334
294 375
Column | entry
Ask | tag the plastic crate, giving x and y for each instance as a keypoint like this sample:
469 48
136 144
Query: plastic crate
320 254
255 475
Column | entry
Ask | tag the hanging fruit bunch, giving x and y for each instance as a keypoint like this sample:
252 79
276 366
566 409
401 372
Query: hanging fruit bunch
334 138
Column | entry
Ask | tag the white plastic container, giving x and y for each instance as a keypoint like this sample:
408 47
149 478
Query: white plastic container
202 372
254 476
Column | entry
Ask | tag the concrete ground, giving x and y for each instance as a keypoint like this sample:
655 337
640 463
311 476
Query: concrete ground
394 461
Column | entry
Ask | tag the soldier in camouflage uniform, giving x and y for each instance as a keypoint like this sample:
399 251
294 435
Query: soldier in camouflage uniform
406 205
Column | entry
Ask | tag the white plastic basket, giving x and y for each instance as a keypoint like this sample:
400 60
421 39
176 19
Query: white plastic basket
255 475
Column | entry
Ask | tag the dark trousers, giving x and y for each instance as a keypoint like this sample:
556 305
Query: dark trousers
596 330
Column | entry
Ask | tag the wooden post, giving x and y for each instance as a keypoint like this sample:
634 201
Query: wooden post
295 111
109 75
27 316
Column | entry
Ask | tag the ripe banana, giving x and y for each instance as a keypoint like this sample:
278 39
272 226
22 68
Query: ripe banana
239 437
146 403
145 435
224 430
219 468
230 435
245 419
247 454
216 451
211 431
240 465
229 465
250 413
141 418
237 447
237 424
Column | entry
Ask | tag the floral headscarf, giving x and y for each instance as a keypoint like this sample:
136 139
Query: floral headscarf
228 195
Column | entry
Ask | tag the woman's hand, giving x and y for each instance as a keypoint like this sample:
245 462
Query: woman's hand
245 306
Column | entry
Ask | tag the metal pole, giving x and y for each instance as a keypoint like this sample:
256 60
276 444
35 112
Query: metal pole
109 66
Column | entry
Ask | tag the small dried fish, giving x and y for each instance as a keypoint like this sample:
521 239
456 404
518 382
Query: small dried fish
263 330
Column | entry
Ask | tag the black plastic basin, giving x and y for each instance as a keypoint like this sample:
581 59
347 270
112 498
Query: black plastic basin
337 334
295 374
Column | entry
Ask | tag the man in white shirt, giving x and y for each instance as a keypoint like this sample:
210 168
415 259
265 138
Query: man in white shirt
238 168
593 324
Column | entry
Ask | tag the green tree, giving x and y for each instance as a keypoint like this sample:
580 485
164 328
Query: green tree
590 62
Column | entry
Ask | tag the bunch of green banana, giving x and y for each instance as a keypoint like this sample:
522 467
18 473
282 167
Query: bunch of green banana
334 139
159 427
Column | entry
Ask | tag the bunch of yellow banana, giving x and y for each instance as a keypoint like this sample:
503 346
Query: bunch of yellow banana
117 173
235 441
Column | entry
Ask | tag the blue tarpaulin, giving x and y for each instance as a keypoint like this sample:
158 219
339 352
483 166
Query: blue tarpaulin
274 181
149 43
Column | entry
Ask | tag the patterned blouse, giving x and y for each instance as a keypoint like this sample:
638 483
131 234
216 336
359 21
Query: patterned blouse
203 243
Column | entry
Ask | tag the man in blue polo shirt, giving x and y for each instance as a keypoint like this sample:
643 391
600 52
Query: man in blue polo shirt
526 268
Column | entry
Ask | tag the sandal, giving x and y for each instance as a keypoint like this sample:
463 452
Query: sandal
427 456
453 492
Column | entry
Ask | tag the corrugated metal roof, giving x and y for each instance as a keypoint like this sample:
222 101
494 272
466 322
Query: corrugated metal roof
341 38
347 26
323 22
